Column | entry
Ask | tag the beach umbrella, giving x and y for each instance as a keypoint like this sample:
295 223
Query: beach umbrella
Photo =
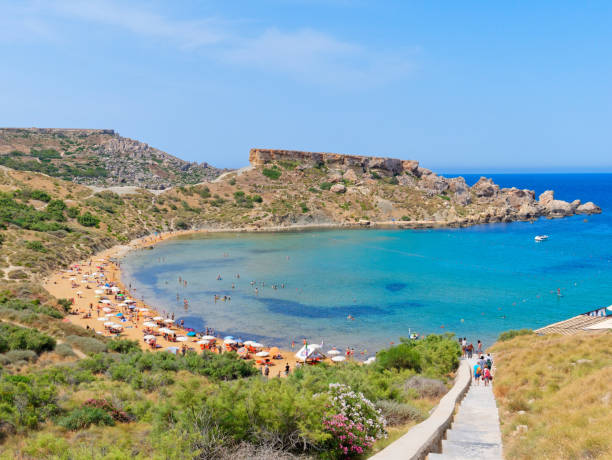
116 326
119 314
610 308
228 337
338 359
182 338
122 305
149 324
370 360
230 341
99 291
109 323
165 330
106 301
257 345
115 289
203 342
168 321
249 342
110 314
106 309
333 352
191 334
79 293
209 337
262 354
158 318
102 318
143 309
149 337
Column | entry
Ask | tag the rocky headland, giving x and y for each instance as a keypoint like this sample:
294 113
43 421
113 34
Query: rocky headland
483 202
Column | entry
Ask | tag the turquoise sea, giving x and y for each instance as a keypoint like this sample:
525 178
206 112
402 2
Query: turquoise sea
474 282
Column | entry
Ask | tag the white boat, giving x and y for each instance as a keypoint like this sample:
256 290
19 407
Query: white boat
540 238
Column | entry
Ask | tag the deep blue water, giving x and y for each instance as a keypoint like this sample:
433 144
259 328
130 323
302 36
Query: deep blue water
475 282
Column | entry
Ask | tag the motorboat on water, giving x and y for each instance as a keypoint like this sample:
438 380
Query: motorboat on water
540 238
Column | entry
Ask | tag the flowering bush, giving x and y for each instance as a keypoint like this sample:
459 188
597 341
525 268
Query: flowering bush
116 414
355 422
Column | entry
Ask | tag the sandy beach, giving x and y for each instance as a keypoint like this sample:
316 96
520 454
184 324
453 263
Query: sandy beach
85 280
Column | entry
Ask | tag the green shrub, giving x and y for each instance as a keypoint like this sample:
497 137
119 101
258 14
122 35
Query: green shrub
397 413
88 220
402 356
35 246
425 387
40 195
14 356
325 185
65 350
83 417
272 173
20 338
513 333
73 212
181 224
26 401
66 304
122 346
86 344
204 192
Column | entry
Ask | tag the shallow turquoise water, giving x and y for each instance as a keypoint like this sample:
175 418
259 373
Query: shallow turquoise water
475 282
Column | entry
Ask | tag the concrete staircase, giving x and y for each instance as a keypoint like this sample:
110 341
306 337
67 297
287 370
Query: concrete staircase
474 433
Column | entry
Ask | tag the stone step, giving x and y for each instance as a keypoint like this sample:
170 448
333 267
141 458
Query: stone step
488 436
474 426
443 456
476 450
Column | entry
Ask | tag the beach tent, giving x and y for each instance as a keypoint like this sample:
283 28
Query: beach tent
307 352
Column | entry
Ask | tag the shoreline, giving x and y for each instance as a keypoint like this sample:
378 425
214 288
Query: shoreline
64 284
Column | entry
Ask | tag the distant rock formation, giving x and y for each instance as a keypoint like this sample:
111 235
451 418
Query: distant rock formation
485 201
97 157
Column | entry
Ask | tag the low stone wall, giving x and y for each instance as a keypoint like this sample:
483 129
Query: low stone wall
426 437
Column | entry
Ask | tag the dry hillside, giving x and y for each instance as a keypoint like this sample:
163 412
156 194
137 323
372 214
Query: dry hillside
97 157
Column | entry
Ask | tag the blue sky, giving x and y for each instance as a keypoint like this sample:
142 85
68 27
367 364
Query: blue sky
459 86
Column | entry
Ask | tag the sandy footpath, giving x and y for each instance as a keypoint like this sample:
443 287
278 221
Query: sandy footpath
66 284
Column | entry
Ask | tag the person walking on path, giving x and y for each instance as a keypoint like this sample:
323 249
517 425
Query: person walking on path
477 373
266 371
479 350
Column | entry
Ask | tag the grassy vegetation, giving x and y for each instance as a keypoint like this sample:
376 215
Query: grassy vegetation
273 173
555 396
197 405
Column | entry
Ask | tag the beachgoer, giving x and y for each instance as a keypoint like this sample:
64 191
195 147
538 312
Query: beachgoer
287 369
266 371
489 361
479 347
470 350
486 376
477 373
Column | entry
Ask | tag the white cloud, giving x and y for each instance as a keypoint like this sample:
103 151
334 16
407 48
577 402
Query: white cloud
305 54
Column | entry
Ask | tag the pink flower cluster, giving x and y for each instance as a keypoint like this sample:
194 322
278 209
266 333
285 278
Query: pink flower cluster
348 438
